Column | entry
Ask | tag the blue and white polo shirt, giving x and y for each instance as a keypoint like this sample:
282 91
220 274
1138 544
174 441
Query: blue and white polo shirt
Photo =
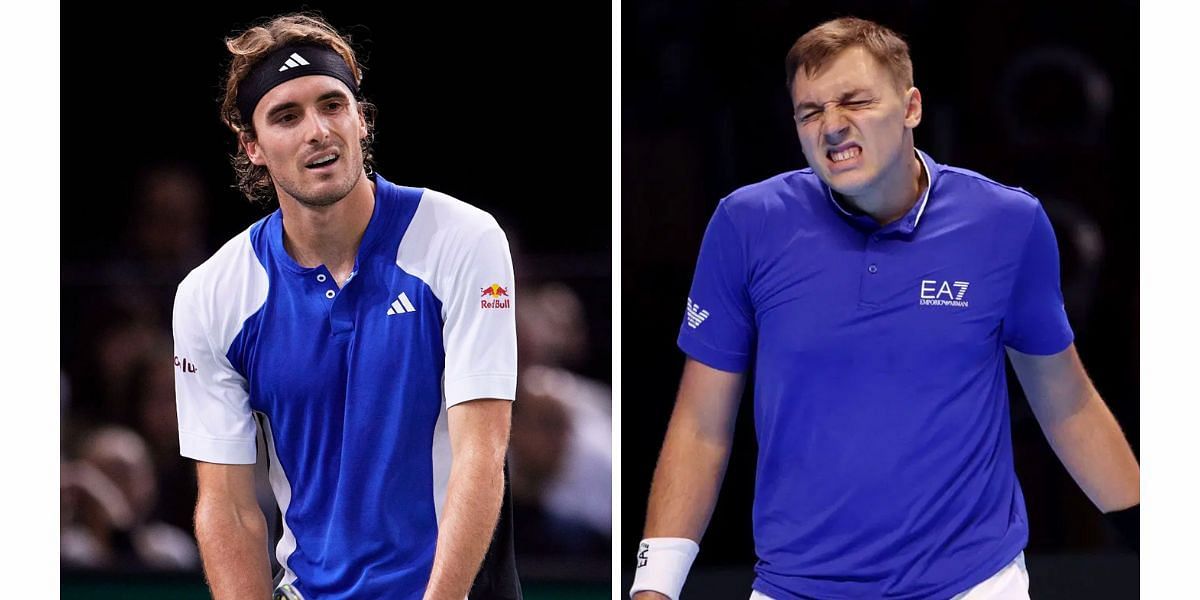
885 464
349 384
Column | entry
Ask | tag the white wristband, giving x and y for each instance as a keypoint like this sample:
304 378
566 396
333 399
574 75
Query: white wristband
663 565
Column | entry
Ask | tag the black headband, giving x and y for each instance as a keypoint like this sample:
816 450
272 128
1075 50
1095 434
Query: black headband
286 63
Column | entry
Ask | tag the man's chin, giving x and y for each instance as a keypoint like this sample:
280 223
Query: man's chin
319 201
846 184
318 198
324 193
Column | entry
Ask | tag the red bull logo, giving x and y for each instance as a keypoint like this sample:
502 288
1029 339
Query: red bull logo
495 291
491 297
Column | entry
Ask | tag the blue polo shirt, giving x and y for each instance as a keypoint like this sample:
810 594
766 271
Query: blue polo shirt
885 463
348 384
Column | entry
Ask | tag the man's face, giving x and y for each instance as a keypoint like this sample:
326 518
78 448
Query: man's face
300 124
852 121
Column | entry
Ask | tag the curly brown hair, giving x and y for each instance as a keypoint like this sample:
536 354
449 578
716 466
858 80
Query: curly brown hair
251 47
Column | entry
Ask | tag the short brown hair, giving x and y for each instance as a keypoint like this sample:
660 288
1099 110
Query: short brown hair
817 47
251 47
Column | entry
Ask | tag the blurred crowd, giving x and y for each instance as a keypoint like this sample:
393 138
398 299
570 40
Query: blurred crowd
126 494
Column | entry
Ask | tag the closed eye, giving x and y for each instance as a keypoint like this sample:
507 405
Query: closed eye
850 104
808 116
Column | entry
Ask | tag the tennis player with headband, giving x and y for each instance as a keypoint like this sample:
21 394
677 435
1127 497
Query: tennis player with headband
345 328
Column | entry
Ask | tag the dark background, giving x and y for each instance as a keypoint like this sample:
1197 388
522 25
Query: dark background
489 105
504 106
1038 95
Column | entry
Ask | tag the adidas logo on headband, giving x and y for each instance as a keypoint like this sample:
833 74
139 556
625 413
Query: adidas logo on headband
295 60
317 60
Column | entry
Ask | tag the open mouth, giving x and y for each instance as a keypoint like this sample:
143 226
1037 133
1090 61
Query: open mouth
323 162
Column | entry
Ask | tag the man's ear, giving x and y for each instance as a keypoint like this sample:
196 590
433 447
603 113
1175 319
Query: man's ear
912 109
253 151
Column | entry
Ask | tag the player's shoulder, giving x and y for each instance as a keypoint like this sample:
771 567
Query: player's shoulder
446 236
450 215
428 213
232 268
772 196
985 192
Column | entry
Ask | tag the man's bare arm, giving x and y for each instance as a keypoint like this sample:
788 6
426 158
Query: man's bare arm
694 455
478 442
232 532
1080 428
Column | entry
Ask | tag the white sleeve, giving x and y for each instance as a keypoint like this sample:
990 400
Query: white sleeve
480 330
211 397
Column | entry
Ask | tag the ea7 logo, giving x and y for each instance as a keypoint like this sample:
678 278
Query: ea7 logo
944 293
642 558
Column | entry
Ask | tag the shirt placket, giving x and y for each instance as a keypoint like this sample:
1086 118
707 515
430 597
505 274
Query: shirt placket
874 262
339 306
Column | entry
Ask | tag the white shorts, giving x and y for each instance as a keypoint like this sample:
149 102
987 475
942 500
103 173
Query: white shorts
1010 583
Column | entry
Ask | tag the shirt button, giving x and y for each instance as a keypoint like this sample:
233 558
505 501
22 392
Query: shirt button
329 294
872 269
321 277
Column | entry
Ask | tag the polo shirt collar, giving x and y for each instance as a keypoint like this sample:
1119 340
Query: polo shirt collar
376 227
904 225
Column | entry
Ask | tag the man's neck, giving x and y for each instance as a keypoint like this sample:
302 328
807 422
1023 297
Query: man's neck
899 192
328 235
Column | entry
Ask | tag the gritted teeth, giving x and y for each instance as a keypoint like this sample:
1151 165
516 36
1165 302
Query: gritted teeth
846 154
